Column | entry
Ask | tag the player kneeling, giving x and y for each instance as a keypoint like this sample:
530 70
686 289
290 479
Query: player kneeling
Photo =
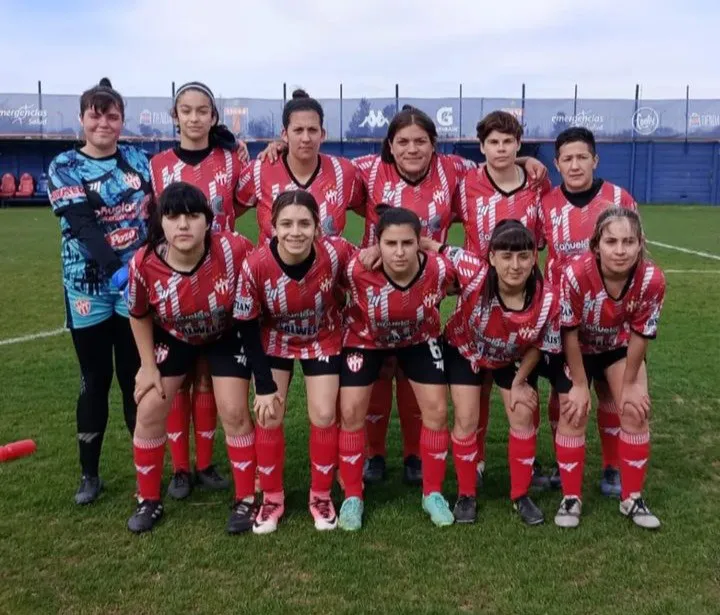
181 291
611 302
505 317
394 311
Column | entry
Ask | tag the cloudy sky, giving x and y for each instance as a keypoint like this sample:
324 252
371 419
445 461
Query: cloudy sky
250 47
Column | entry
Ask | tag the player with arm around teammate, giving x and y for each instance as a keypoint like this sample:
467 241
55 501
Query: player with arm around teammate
181 295
612 298
291 284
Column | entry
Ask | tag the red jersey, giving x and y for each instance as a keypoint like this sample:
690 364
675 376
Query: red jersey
491 335
431 198
567 228
381 314
299 319
481 205
217 175
195 306
605 323
336 185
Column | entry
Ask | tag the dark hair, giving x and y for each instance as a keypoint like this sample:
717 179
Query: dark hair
295 197
611 214
101 98
396 216
408 116
512 236
500 121
220 135
301 101
178 198
573 135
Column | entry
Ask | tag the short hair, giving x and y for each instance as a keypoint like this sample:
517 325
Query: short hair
574 135
408 116
101 98
295 197
178 198
301 101
500 121
396 216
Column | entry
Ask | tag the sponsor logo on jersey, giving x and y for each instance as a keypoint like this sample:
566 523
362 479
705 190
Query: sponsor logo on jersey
375 119
243 306
355 362
161 353
83 306
67 192
132 180
122 238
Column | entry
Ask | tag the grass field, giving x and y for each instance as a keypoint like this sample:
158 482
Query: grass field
58 558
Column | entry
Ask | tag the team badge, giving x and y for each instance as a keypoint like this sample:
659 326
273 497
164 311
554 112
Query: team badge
355 362
161 353
133 180
83 306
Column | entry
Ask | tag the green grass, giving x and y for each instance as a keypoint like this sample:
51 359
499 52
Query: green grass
58 558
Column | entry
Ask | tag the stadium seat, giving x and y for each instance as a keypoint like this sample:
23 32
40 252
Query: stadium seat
26 186
7 186
42 185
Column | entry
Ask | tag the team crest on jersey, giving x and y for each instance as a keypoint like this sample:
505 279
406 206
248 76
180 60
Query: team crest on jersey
439 196
354 362
216 204
161 353
630 306
325 285
430 299
526 332
133 180
83 306
331 196
221 178
222 286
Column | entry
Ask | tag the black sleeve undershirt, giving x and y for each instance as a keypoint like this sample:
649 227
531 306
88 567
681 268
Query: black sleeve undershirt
84 226
294 272
250 339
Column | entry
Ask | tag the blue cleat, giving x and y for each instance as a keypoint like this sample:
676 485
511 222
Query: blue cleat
351 513
438 508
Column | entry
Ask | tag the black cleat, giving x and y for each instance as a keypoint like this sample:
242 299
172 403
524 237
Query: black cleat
465 510
242 516
539 482
374 469
211 479
555 481
180 485
89 490
147 514
528 511
412 472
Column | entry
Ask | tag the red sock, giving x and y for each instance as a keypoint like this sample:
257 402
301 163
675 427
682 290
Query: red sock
465 456
149 455
241 453
608 421
204 415
554 413
570 451
433 451
351 449
521 455
178 428
378 417
410 417
483 420
270 455
634 449
323 456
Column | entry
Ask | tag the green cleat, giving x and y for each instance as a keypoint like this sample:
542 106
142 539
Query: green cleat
351 513
438 508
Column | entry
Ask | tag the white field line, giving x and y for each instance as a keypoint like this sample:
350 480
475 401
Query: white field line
714 257
34 336
715 271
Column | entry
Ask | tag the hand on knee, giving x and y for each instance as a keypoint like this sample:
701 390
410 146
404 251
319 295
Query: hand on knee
521 419
632 421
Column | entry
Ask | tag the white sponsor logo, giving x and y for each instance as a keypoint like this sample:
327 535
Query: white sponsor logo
241 359
355 362
26 114
144 470
645 121
87 438
241 465
147 118
469 458
174 435
324 469
568 467
266 470
95 186
352 460
636 463
526 461
611 431
705 120
586 119
375 119
444 116
206 435
439 456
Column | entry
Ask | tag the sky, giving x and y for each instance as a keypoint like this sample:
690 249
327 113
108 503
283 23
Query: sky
248 48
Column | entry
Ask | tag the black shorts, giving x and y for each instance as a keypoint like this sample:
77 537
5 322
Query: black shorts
558 373
226 356
326 366
423 363
460 372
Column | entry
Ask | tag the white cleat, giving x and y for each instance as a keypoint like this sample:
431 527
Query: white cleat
637 511
568 515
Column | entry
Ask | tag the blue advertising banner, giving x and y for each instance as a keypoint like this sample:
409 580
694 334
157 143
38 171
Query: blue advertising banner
445 112
367 118
21 115
475 109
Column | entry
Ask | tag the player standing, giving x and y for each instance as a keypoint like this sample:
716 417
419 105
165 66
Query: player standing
612 298
207 157
566 220
180 296
291 284
394 312
100 191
